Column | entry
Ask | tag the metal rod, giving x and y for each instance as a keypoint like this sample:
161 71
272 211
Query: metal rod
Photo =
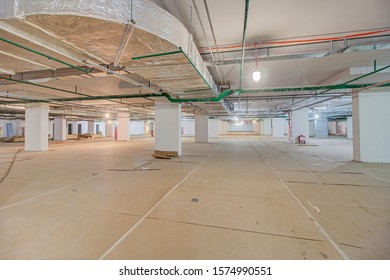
155 54
243 41
221 76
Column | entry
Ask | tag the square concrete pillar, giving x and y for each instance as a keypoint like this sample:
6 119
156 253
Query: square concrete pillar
60 129
321 128
371 128
37 123
300 124
168 129
110 128
123 132
201 128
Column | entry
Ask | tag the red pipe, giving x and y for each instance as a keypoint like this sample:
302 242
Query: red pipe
297 41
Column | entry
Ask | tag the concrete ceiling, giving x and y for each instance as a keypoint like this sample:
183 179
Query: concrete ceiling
293 43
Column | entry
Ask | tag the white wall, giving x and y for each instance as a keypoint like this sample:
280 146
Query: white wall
84 126
188 127
50 128
17 125
241 127
285 127
213 128
137 127
222 127
277 127
266 127
349 128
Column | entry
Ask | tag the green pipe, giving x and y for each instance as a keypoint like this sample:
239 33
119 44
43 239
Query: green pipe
155 54
369 74
124 96
311 88
150 95
243 40
44 55
42 86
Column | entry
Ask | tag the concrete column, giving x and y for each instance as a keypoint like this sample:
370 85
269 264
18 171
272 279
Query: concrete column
168 129
91 127
371 128
37 122
110 128
266 127
349 128
123 133
213 128
300 124
321 126
277 127
60 128
201 128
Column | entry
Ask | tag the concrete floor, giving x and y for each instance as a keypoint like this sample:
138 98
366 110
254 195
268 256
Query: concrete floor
233 198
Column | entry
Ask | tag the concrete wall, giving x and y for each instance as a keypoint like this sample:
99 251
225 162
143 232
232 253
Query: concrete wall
213 128
17 125
188 127
266 127
222 127
349 128
137 127
277 127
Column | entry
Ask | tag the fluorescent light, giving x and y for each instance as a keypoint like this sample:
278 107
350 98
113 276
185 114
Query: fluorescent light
317 116
256 76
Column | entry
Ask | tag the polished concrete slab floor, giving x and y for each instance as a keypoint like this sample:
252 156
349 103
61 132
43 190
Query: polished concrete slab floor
246 197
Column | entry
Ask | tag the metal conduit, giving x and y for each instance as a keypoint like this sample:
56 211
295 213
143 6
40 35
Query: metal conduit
210 99
188 100
346 83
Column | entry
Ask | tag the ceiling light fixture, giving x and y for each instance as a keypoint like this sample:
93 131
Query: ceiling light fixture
256 76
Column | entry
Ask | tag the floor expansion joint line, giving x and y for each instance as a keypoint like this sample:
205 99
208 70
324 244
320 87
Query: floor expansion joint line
334 184
316 223
240 230
11 165
55 190
126 234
